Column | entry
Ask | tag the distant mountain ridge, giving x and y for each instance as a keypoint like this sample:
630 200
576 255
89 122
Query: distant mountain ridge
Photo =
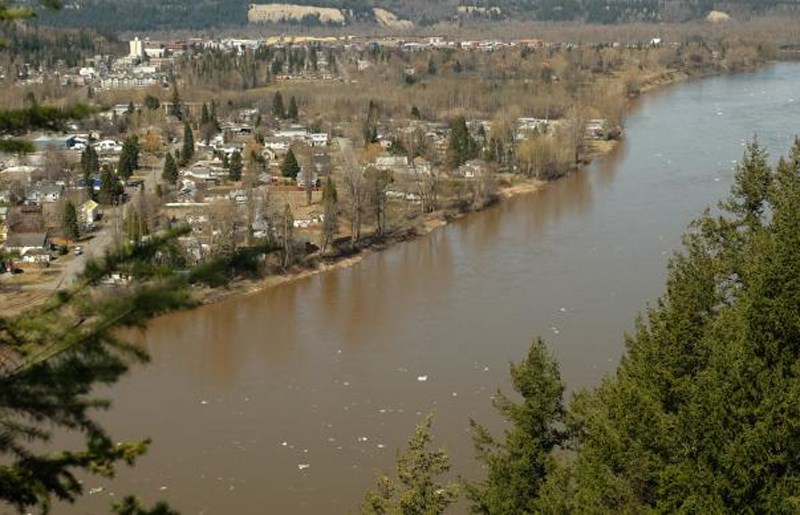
136 15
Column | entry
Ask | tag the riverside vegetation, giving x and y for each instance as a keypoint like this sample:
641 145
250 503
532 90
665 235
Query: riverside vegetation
700 415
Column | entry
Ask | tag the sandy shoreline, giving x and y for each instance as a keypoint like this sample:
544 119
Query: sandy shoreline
428 224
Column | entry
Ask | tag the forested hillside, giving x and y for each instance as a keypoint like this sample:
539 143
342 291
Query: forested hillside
140 15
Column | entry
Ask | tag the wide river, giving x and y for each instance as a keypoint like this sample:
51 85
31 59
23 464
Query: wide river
334 371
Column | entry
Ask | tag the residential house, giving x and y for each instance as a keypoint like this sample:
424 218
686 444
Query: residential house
294 133
88 212
108 145
280 146
23 243
319 139
43 194
398 165
471 169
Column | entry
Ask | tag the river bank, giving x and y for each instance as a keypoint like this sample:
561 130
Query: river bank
511 186
331 365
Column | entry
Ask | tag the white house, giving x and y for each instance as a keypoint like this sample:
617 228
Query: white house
277 144
44 194
319 139
293 133
108 145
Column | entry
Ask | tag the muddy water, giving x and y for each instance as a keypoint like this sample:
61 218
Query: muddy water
334 371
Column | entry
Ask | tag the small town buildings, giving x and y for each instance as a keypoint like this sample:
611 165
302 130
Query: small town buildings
43 194
108 145
279 146
22 243
293 133
319 139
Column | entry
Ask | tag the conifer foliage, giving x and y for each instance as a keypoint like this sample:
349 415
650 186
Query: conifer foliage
129 158
703 412
54 358
170 171
415 490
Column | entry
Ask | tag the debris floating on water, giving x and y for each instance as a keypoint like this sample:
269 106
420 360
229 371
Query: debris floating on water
422 379
97 490
162 489
203 402
362 439
303 466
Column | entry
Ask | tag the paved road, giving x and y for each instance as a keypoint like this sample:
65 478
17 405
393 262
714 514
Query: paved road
95 247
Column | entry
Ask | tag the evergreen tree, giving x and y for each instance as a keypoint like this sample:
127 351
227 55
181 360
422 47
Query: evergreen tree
176 108
518 465
205 117
699 416
187 149
753 179
170 172
415 113
290 167
129 158
278 110
110 188
415 490
370 127
292 113
132 506
90 162
69 222
213 115
151 102
432 68
236 167
462 147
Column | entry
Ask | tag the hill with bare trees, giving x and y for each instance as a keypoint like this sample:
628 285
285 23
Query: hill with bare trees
142 15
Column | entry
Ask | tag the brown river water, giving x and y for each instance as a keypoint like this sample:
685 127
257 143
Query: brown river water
334 371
